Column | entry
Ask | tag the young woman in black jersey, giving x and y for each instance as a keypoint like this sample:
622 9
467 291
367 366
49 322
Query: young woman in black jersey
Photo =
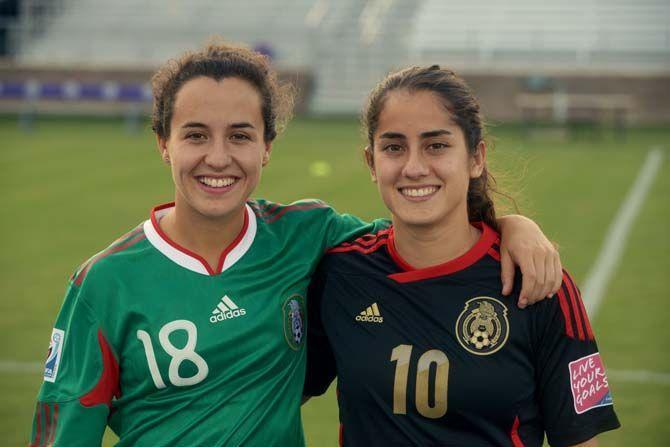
426 348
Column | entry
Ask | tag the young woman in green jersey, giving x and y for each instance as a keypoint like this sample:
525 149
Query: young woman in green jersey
426 349
189 329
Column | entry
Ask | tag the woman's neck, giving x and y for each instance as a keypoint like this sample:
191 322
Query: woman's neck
426 246
200 234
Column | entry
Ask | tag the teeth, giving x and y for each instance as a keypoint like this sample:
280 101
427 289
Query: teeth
217 182
418 192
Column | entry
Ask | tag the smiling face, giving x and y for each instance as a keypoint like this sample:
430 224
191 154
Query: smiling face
420 160
216 147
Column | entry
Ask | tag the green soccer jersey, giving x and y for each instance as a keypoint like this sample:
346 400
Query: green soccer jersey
168 352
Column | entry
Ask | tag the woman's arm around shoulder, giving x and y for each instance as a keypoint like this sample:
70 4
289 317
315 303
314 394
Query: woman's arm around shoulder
523 243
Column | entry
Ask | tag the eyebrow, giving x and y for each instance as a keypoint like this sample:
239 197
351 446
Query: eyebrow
192 124
393 135
435 133
242 125
429 134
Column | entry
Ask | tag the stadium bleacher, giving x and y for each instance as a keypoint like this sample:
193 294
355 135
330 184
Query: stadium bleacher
131 33
347 45
612 34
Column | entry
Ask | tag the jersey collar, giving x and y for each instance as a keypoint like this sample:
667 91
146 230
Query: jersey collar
190 260
478 251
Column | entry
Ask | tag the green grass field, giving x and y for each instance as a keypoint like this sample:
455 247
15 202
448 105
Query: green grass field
71 186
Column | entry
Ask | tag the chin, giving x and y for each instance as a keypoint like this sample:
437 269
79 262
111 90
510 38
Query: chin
415 219
217 210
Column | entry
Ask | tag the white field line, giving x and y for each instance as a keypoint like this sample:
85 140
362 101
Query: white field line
595 283
638 376
10 366
615 241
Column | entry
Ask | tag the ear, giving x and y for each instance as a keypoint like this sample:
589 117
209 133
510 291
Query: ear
162 149
478 160
370 161
266 154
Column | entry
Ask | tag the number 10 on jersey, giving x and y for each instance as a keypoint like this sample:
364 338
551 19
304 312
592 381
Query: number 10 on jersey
402 355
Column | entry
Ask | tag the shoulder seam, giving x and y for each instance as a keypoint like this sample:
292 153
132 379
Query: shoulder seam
366 244
494 250
577 323
271 212
118 246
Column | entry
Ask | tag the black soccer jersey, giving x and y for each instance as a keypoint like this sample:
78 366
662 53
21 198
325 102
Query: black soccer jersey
438 357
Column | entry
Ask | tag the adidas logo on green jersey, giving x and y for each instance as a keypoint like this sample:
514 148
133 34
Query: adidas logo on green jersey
226 309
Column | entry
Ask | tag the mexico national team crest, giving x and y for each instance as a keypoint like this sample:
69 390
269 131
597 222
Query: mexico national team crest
482 328
294 321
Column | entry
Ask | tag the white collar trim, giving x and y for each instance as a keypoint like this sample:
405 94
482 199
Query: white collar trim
189 262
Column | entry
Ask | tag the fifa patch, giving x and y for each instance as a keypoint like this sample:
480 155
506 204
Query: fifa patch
588 383
54 355
294 321
482 328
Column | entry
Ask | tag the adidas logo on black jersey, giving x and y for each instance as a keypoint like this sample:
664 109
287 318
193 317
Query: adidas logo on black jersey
370 315
226 309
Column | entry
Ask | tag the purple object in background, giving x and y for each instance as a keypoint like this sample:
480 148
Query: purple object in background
73 91
265 49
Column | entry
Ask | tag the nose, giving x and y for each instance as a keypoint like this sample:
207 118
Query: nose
219 154
416 165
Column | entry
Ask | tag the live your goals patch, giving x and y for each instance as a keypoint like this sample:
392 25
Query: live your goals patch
588 382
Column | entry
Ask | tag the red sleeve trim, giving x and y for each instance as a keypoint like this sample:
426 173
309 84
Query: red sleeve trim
565 309
358 248
303 207
514 434
271 212
341 435
268 209
575 307
127 236
108 384
38 426
572 308
50 423
79 278
572 287
365 244
118 241
54 425
368 240
47 423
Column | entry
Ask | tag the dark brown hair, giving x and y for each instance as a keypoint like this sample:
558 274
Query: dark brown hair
218 60
464 109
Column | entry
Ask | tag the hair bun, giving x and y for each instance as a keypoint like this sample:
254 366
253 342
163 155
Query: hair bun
434 67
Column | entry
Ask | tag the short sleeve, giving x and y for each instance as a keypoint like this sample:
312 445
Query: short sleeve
574 392
80 378
345 227
321 369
